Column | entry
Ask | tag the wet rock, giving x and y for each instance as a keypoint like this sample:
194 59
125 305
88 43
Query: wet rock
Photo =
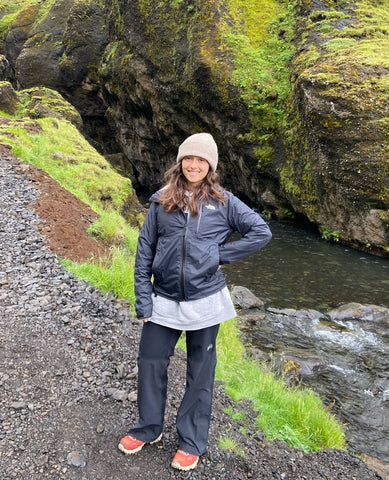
359 312
244 298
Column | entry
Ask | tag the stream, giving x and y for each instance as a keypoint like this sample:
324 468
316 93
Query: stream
303 280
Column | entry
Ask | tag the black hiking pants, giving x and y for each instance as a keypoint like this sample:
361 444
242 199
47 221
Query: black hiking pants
156 347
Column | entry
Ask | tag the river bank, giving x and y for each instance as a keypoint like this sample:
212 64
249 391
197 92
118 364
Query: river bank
338 352
68 374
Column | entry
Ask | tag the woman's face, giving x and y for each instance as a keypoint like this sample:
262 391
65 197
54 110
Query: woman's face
195 169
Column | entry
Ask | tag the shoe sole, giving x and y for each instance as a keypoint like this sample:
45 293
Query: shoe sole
135 450
189 467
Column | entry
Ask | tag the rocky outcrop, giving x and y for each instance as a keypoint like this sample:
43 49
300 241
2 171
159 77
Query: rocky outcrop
145 74
337 167
8 98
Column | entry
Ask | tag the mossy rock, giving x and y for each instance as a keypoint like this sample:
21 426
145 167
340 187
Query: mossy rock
8 98
43 102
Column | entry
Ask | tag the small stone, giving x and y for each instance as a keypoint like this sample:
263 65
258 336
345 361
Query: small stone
120 395
100 428
42 460
76 459
132 397
18 405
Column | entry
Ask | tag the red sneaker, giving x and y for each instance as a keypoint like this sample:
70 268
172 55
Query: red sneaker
184 461
129 444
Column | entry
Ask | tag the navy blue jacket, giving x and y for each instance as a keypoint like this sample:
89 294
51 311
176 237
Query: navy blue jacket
183 253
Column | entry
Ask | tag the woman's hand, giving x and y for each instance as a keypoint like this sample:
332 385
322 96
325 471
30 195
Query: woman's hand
145 320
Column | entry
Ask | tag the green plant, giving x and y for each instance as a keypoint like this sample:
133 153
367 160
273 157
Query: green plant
328 234
239 416
108 275
112 52
227 443
114 230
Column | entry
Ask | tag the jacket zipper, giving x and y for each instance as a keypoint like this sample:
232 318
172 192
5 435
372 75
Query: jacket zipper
199 220
184 255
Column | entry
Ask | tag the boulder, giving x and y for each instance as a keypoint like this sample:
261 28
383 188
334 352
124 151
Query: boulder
8 98
245 299
361 313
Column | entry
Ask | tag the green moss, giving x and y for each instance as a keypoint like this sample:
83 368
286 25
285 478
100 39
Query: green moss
288 182
346 70
336 44
260 42
241 45
155 14
112 50
25 14
325 15
42 102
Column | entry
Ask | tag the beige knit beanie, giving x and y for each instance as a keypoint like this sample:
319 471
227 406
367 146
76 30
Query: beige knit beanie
199 145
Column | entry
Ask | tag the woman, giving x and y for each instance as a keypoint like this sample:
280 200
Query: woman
181 246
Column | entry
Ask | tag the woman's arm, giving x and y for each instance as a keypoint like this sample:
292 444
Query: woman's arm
145 253
254 230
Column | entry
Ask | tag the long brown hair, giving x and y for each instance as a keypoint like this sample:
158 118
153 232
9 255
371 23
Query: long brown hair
174 196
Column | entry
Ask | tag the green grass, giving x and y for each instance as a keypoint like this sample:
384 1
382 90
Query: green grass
227 443
295 415
113 275
67 157
73 162
114 230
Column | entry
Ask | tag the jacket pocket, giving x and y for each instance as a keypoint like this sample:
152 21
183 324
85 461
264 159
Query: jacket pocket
166 259
203 259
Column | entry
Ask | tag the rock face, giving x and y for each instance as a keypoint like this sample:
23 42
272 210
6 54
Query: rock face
337 169
145 74
159 82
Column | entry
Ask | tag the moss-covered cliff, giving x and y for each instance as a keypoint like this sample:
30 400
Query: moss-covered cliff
337 165
295 94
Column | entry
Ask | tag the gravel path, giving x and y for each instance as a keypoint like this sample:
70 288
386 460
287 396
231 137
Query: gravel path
68 377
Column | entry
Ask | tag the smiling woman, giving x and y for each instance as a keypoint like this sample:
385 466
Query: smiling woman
195 169
179 287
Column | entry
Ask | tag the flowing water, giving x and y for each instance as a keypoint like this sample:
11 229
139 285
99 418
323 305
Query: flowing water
298 269
345 361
